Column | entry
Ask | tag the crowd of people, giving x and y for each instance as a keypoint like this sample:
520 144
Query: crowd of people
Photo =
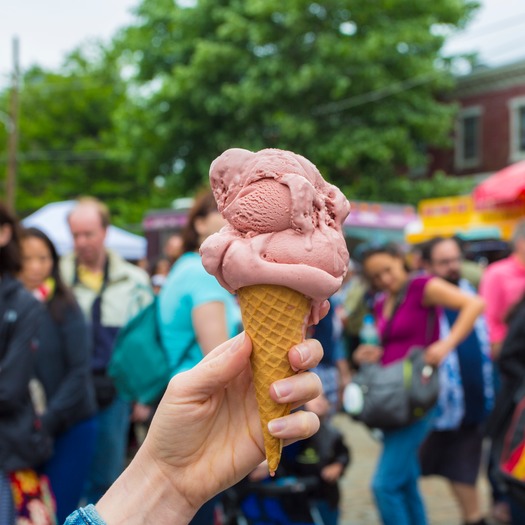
429 299
65 431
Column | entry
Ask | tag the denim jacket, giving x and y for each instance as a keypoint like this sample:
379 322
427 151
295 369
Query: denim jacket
85 516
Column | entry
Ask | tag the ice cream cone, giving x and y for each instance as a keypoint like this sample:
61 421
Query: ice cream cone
275 318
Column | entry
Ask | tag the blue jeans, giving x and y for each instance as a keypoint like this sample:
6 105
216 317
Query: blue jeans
110 449
68 468
329 514
395 482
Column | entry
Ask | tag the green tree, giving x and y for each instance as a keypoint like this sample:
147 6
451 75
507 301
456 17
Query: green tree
409 190
66 146
352 85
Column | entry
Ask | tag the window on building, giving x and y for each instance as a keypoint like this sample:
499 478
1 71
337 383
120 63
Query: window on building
471 137
517 129
521 126
468 138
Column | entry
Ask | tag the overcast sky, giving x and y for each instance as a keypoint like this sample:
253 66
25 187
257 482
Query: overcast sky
48 29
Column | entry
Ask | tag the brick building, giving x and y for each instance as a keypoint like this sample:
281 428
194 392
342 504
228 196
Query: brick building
490 126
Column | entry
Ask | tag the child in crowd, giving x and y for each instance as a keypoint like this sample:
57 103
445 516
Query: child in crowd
322 458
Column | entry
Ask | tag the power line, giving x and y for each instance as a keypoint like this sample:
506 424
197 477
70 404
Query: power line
492 27
509 46
63 156
55 88
374 96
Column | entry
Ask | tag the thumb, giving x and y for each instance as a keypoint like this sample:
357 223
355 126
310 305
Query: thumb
219 367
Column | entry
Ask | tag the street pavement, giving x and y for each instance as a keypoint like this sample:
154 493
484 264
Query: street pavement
357 507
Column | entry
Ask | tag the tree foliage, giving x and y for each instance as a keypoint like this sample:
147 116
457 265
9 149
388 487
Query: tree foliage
352 85
408 190
67 144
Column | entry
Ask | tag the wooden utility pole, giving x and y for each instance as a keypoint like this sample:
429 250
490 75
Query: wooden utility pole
12 128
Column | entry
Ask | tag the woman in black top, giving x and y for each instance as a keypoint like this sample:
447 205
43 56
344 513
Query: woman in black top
63 367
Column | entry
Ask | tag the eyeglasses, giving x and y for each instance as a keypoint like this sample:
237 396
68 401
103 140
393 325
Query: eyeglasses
447 262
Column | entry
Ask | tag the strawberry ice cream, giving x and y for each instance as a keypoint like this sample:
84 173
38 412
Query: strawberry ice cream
284 225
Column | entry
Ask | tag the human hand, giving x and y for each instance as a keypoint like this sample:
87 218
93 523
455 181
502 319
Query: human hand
206 435
495 350
436 352
367 354
331 473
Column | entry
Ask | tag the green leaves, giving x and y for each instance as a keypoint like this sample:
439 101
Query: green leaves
354 86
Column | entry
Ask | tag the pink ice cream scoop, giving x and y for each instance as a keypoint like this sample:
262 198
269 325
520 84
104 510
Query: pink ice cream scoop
284 224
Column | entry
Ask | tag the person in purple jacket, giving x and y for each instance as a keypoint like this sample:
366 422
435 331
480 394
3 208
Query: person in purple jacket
406 314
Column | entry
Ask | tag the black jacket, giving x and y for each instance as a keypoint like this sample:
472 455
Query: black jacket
511 364
22 445
309 457
64 367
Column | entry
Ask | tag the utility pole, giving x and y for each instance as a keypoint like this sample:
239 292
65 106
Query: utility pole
12 128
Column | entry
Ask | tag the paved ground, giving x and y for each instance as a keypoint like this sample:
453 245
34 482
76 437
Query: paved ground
357 506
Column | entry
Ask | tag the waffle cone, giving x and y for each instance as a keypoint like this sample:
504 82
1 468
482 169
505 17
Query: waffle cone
275 319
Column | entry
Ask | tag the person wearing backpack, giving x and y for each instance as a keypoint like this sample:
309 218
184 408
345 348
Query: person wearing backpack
24 444
196 313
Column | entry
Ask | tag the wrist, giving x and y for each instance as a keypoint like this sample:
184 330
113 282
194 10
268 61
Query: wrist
449 343
142 495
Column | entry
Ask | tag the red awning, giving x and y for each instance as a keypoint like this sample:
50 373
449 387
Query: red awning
503 187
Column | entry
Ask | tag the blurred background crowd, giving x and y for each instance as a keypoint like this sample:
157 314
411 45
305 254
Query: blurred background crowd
67 312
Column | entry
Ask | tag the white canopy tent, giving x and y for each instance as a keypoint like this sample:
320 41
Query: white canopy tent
52 220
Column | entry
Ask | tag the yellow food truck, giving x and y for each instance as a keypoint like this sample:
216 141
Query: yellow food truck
484 232
458 216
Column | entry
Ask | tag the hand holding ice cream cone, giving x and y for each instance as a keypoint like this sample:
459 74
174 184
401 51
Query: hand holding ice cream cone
282 251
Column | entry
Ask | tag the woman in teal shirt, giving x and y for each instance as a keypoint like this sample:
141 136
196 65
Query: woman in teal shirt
196 313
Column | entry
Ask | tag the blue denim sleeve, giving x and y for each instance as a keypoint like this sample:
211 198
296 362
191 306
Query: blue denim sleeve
85 516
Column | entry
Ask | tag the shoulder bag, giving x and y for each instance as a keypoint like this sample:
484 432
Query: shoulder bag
395 395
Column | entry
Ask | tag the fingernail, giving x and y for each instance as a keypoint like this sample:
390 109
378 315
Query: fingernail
276 425
282 388
237 342
304 352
